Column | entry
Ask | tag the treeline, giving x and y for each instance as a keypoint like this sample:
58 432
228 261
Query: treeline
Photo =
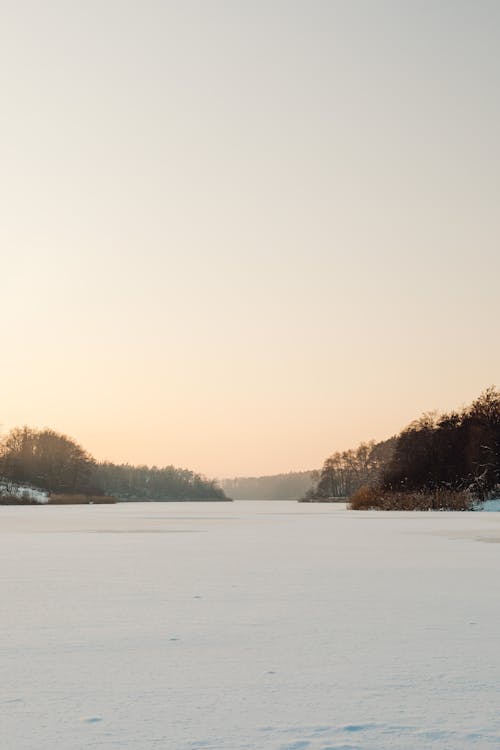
440 461
48 460
145 483
56 463
290 486
459 451
345 472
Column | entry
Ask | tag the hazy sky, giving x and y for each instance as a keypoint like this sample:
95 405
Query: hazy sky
238 236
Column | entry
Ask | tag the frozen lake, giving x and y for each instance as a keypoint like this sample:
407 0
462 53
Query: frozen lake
248 625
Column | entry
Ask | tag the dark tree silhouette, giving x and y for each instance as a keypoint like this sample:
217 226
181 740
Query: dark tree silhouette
458 451
45 459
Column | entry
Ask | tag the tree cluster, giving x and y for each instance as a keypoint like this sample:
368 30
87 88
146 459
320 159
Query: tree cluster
145 483
46 459
56 463
439 460
458 451
345 472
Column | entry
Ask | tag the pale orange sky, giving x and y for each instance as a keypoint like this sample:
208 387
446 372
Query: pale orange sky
238 236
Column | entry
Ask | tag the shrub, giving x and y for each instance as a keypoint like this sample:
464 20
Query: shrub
366 498
373 498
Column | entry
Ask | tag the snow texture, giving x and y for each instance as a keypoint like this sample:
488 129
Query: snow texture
23 491
248 626
491 506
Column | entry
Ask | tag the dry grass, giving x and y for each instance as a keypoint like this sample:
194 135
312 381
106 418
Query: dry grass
68 499
15 500
371 498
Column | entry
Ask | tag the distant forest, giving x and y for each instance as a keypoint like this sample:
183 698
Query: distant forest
53 462
440 461
290 486
447 461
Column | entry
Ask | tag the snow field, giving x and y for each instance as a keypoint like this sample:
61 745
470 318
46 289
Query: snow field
266 626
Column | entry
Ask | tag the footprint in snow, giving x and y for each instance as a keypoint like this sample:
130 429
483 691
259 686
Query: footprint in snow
91 719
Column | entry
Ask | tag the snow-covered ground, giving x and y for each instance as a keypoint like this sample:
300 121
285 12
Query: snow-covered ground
23 491
248 626
491 506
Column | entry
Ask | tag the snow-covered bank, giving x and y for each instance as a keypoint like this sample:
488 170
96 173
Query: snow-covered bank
490 506
25 492
245 626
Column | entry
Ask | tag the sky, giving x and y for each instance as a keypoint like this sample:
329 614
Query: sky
239 236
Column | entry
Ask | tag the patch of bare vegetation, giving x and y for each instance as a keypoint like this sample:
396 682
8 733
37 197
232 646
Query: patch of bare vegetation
16 500
373 498
69 499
